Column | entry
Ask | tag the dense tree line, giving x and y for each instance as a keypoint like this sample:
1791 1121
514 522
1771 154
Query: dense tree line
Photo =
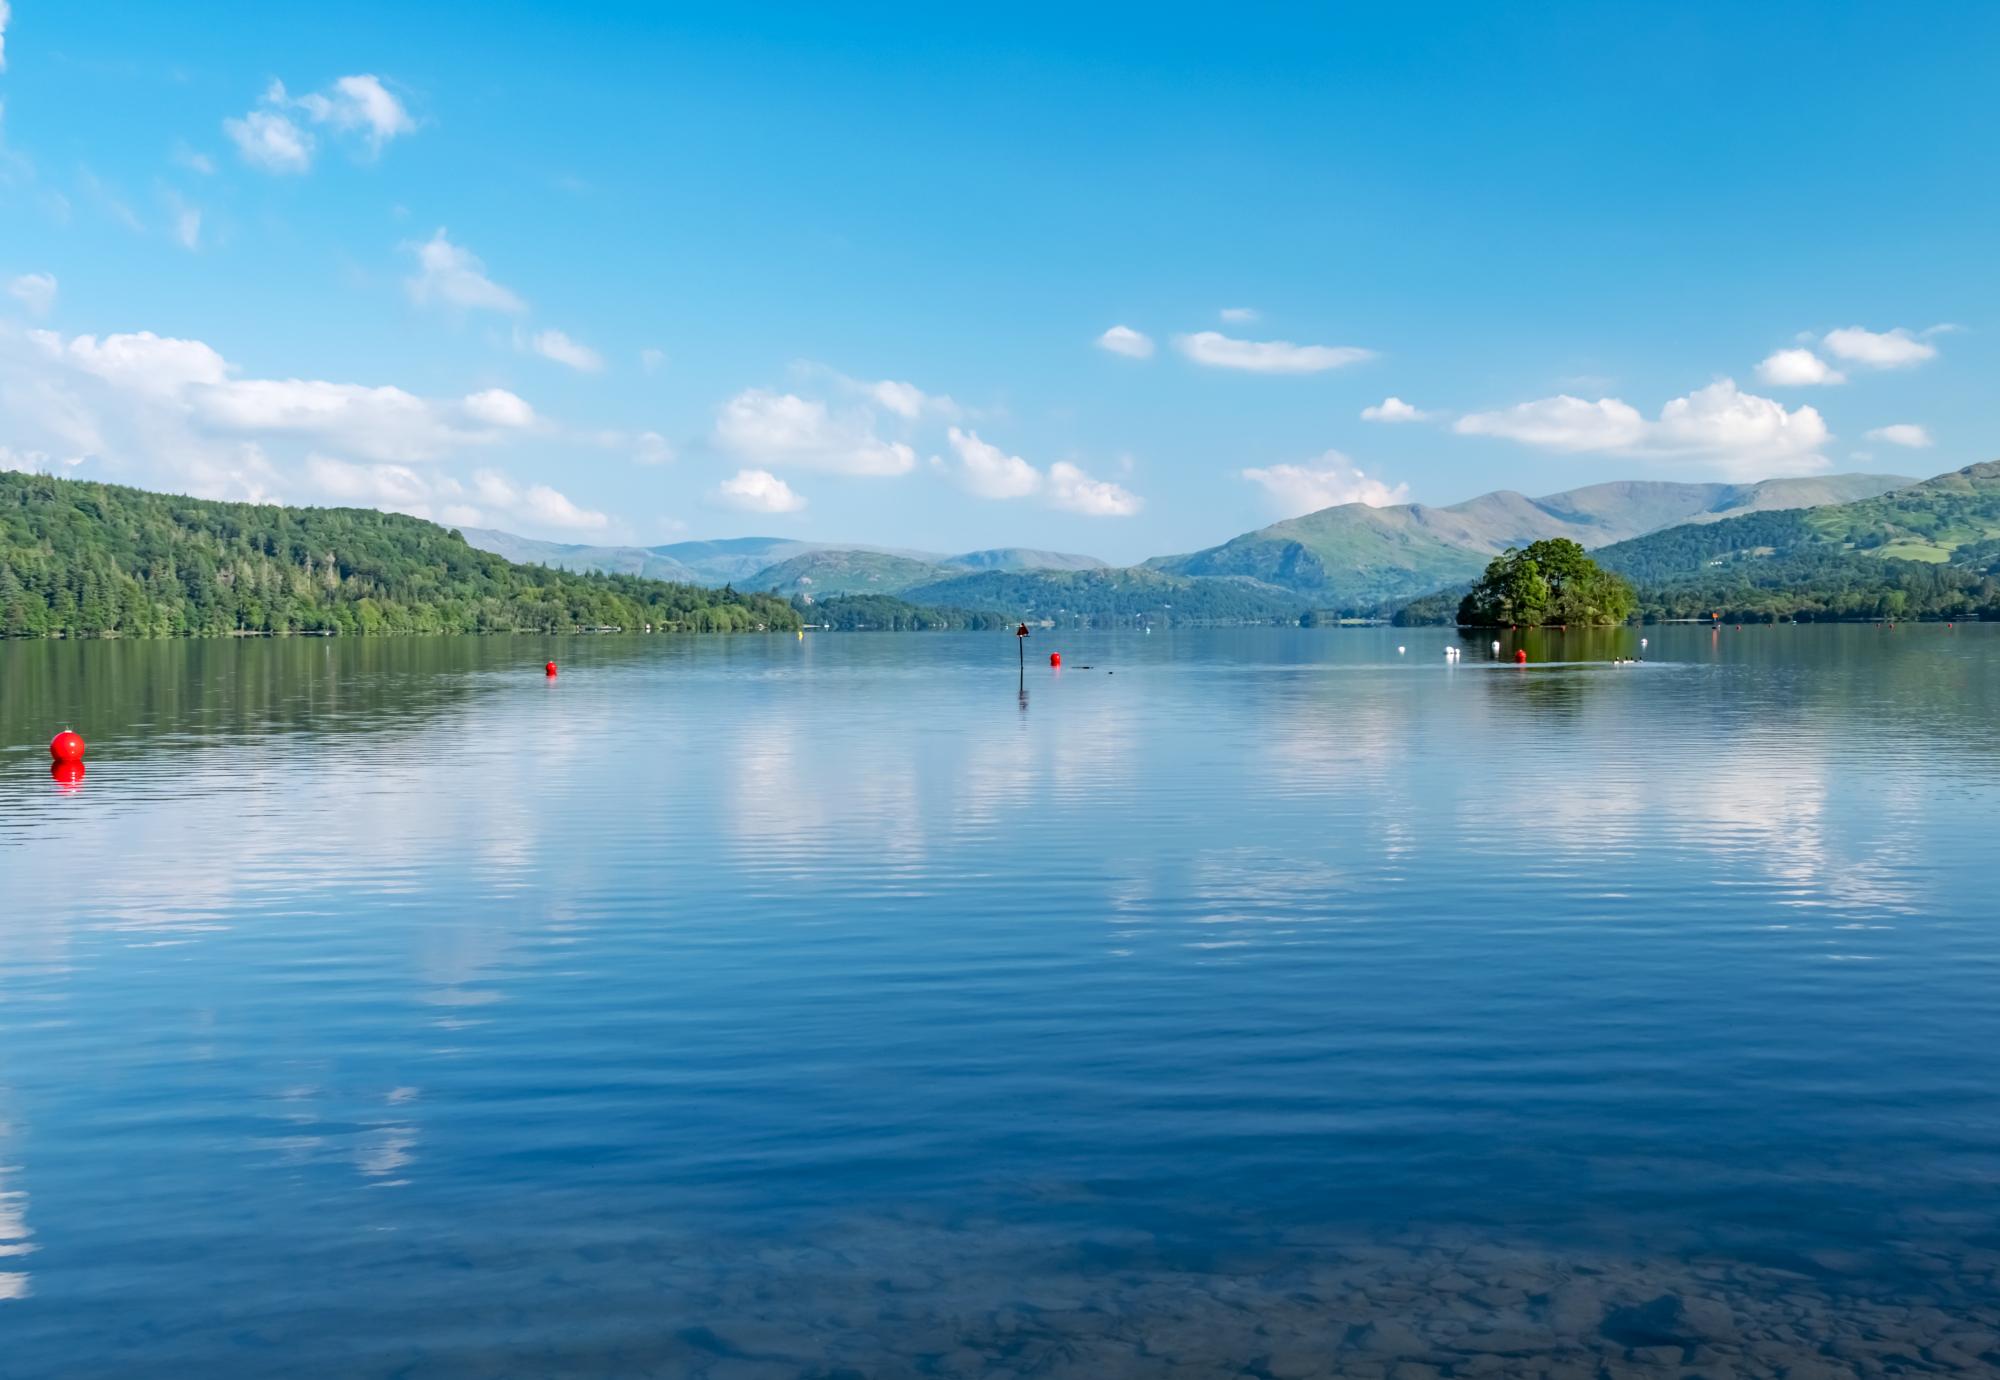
83 560
883 613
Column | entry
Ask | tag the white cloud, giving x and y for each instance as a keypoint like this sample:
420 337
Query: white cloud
178 394
6 13
1123 340
553 344
1333 481
1239 315
268 137
990 472
360 103
907 400
454 275
784 429
1797 368
1393 410
138 361
1073 491
35 291
33 461
538 503
395 488
758 491
498 407
1898 348
269 140
1720 427
1214 350
1903 434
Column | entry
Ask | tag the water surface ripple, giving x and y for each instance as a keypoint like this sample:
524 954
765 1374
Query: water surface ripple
1238 1003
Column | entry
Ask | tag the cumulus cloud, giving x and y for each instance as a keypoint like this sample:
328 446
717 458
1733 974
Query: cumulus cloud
757 491
537 503
143 398
1239 315
6 13
1073 491
1123 340
553 344
1331 482
1214 350
1718 427
497 407
1797 368
1898 348
783 429
1393 410
1903 434
269 137
454 275
990 472
35 291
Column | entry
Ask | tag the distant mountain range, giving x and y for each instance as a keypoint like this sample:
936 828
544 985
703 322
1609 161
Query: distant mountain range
1355 556
1351 557
776 564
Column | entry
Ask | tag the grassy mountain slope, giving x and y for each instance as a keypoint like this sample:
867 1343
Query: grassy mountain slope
1110 595
1929 548
82 559
833 571
1355 555
609 560
1021 558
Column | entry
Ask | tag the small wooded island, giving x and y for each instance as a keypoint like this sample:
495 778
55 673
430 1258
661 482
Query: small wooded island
1551 581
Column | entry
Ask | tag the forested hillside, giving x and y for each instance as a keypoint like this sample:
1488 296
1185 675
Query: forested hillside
80 559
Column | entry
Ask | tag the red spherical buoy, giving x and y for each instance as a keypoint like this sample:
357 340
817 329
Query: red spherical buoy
1055 659
549 669
68 776
1520 656
66 747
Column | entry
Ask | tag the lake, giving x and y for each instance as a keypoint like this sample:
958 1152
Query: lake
1238 1002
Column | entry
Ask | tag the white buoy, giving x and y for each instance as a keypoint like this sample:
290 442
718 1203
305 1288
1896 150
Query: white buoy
1401 650
1496 646
1642 642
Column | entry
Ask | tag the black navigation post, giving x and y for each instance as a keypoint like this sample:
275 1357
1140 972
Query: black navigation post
1021 646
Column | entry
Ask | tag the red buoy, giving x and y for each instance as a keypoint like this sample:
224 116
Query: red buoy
1520 656
1055 659
68 776
66 747
549 669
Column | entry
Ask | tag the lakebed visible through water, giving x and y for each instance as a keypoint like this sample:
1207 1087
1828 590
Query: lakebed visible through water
1259 1002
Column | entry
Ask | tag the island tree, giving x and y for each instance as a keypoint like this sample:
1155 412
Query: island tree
1552 581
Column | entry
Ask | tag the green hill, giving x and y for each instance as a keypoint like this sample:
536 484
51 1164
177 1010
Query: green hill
1926 550
819 574
81 559
1111 596
1021 558
1358 557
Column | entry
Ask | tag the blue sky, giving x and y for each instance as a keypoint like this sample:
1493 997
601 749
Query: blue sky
636 272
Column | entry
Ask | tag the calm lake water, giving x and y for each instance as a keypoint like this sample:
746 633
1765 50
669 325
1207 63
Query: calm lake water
1252 1003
